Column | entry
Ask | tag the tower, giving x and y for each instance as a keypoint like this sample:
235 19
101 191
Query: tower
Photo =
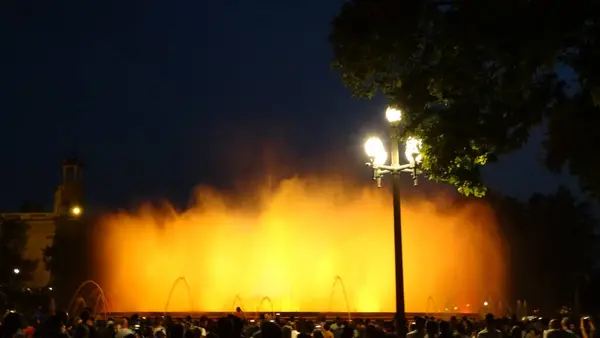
68 198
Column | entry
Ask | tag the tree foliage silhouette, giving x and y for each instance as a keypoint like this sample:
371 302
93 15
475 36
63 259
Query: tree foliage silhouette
552 244
13 242
474 76
68 257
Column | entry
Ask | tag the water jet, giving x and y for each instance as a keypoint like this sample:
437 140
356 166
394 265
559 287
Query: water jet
189 292
296 236
338 281
78 299
262 301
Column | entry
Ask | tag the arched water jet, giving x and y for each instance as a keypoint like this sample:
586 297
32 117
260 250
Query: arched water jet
101 303
78 301
187 286
97 289
429 302
237 300
262 301
338 281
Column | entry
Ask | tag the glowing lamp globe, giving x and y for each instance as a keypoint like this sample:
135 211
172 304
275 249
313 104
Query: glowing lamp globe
76 211
393 115
413 150
375 150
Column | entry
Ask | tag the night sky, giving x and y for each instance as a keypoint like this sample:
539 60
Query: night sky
160 96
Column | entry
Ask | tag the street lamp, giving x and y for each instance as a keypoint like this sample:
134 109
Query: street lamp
393 115
76 211
378 156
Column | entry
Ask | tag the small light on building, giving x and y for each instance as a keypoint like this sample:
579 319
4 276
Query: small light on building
76 211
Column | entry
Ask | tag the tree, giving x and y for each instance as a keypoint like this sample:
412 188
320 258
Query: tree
474 76
13 241
552 245
68 258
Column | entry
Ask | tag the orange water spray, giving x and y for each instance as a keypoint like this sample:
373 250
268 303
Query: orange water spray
290 243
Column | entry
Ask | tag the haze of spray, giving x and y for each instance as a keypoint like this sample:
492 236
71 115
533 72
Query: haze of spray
291 245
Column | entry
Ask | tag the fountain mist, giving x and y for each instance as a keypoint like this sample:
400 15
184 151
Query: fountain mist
291 245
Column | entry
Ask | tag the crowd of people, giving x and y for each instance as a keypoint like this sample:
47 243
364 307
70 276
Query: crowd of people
236 325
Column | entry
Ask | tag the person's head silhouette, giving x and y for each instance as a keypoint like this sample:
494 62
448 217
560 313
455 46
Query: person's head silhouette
420 324
490 322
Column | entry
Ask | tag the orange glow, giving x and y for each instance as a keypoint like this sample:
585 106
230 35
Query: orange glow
289 244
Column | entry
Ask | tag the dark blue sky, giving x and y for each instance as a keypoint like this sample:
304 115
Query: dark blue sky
159 96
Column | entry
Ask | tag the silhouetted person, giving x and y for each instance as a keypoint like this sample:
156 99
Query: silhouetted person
419 329
270 330
82 330
124 329
12 326
224 328
490 330
347 332
460 331
556 329
175 330
239 313
445 330
432 329
567 326
516 332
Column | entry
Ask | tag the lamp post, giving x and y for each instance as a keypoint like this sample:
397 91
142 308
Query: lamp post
378 157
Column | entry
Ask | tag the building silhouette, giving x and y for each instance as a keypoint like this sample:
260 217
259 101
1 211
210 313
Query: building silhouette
68 205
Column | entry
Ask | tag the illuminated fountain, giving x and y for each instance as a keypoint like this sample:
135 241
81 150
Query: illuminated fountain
189 294
289 243
431 306
237 301
261 308
96 298
338 281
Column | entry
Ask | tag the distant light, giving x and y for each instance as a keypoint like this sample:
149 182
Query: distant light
50 288
455 308
485 304
468 305
76 211
16 271
393 115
